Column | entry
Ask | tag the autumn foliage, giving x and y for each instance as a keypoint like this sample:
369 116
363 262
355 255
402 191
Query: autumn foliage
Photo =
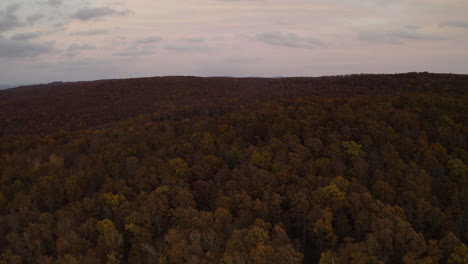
345 169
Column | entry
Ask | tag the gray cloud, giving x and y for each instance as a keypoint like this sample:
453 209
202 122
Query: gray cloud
55 2
396 37
131 53
414 35
194 40
148 40
21 49
378 37
76 47
185 48
8 18
288 40
85 14
413 27
34 18
93 32
25 36
454 23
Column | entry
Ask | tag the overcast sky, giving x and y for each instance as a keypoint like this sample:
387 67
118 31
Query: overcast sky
56 40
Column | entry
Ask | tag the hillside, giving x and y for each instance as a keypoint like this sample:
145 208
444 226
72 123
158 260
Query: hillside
5 86
71 106
343 169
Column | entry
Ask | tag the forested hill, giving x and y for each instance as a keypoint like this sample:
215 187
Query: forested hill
345 170
47 108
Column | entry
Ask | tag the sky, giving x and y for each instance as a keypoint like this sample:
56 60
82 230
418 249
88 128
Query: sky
44 41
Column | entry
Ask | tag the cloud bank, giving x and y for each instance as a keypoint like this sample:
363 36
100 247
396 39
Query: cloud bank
86 13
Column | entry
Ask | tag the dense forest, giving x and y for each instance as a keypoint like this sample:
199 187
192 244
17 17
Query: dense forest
331 170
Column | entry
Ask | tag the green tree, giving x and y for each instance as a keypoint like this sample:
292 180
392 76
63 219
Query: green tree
353 150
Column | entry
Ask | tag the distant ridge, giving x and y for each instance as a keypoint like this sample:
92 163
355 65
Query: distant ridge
40 109
5 86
